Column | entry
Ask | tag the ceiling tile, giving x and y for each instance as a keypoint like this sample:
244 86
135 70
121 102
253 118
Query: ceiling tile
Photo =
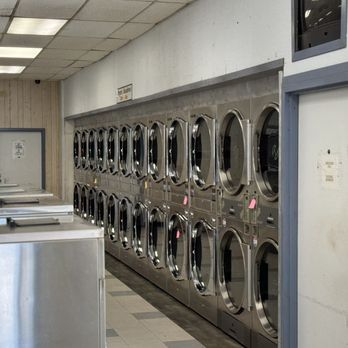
58 77
3 23
94 55
131 30
69 71
111 10
80 64
61 54
110 44
35 76
74 43
25 40
15 61
42 70
48 8
89 28
157 12
6 7
51 62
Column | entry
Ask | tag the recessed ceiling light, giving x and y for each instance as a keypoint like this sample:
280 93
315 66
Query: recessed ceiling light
11 69
35 26
19 52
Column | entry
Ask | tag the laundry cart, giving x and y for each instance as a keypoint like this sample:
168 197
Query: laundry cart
52 284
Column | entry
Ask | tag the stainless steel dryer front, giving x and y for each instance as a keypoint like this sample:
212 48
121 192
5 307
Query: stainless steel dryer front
112 150
77 149
178 159
84 149
84 202
140 238
139 155
102 210
265 287
125 158
77 199
203 298
266 159
156 185
234 157
92 206
127 255
177 253
234 280
102 149
112 240
203 159
156 243
92 150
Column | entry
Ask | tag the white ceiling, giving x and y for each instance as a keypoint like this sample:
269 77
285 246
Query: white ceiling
94 29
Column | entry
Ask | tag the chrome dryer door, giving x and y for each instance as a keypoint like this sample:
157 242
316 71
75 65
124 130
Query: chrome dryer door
112 150
139 161
266 152
266 286
113 218
156 153
125 151
177 246
77 149
101 150
202 257
140 223
203 151
156 237
125 223
234 152
177 152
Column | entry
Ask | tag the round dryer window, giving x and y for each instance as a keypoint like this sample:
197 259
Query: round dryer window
112 150
92 150
266 286
77 199
112 216
156 148
77 152
139 229
177 148
92 206
124 151
232 271
176 245
84 202
124 223
156 240
202 258
84 149
201 152
101 208
231 152
139 151
268 153
101 150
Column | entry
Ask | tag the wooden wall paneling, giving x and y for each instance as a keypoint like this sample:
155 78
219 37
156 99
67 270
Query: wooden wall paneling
25 104
13 104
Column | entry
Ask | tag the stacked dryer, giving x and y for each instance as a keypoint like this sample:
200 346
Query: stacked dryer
178 233
203 213
247 246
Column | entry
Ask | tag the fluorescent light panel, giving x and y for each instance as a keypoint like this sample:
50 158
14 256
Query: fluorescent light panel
11 69
35 26
19 52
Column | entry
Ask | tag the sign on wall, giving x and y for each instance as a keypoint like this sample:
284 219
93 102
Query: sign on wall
18 149
125 93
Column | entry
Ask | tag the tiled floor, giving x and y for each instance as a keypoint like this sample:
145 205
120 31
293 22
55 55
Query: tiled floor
141 315
133 322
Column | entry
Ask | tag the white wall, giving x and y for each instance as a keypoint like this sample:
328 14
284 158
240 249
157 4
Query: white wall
206 39
323 235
